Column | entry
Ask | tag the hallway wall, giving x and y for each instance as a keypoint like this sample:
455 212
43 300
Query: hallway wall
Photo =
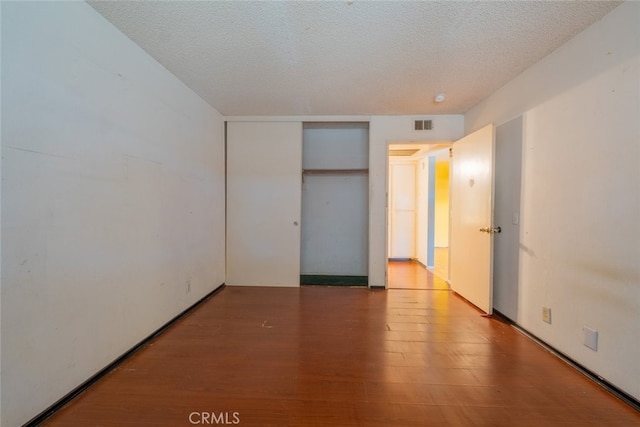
442 204
580 235
113 199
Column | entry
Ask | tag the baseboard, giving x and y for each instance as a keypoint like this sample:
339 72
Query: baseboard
416 260
41 417
333 280
620 394
422 264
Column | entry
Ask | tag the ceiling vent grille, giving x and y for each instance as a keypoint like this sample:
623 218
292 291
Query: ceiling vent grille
422 125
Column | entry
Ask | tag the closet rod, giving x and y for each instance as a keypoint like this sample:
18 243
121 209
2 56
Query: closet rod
333 171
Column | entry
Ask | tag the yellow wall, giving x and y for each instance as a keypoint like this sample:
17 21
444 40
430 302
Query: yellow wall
442 204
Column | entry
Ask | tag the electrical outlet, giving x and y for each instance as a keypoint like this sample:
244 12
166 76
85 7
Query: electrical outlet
590 338
546 315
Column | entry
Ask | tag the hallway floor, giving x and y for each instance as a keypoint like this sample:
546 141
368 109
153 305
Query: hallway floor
413 275
339 356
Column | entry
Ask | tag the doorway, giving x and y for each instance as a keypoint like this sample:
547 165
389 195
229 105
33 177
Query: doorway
417 228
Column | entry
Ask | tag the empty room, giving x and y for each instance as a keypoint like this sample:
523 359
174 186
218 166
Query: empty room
206 207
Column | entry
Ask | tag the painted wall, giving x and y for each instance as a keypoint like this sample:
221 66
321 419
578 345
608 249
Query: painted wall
580 234
335 145
382 131
113 200
442 204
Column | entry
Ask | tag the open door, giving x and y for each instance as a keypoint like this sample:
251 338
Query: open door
471 222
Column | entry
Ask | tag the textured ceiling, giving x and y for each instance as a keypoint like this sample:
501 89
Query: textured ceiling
348 57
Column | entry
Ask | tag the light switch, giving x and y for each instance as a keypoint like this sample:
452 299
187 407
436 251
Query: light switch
515 218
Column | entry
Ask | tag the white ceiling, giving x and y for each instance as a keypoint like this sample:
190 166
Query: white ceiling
348 57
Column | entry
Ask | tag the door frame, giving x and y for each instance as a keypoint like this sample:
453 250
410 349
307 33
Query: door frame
429 149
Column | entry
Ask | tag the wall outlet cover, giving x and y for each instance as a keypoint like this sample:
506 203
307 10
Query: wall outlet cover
590 338
546 315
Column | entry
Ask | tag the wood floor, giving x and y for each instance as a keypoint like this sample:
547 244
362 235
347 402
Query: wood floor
338 356
441 263
413 275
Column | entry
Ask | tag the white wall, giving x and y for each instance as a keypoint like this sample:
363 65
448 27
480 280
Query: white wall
335 145
113 200
382 131
580 235
441 238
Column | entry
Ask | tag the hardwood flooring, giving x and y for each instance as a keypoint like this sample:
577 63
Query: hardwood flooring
413 275
441 263
339 356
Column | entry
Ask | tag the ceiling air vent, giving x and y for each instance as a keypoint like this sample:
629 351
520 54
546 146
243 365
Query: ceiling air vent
422 125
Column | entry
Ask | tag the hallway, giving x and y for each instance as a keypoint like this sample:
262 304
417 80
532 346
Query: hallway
338 356
413 275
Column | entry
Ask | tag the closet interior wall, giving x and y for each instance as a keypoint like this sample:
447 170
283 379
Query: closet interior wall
335 203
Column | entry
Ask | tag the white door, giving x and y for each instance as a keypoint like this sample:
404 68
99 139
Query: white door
506 248
471 223
264 188
402 197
